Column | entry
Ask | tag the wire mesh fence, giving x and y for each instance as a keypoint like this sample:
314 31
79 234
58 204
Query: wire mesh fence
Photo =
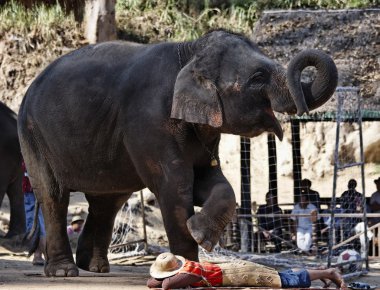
327 228
289 218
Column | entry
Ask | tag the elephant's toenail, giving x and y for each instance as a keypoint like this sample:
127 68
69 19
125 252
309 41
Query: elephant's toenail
72 273
94 269
60 273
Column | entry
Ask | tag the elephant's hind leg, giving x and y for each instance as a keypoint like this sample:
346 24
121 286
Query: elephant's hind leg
16 200
59 258
96 235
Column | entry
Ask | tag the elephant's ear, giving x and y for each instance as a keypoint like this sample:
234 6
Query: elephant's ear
195 97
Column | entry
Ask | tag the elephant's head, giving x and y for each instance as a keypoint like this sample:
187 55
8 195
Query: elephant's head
231 85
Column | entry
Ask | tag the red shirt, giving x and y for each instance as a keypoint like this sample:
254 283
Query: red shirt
26 186
211 274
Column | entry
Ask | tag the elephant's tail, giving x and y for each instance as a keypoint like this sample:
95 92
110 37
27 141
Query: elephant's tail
32 238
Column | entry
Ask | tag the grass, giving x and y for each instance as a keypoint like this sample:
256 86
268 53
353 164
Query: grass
160 20
157 20
39 28
15 16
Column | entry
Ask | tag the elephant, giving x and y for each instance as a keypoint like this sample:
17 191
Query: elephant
113 118
11 171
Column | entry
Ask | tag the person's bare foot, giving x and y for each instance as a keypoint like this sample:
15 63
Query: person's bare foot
335 276
326 284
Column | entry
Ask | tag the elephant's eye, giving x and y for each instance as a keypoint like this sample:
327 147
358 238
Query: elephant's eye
258 78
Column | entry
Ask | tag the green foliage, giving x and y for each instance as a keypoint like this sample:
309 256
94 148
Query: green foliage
158 20
15 17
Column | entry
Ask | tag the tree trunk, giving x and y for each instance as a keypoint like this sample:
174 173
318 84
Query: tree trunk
100 23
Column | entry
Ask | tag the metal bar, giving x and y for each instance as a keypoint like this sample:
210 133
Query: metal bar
350 165
363 180
125 244
371 215
277 237
336 164
245 198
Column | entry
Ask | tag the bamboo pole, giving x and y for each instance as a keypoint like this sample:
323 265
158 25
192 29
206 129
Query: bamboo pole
351 238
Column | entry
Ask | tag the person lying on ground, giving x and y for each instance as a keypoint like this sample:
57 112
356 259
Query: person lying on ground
171 271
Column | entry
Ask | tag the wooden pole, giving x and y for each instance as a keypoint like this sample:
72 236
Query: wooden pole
144 221
296 150
272 160
246 207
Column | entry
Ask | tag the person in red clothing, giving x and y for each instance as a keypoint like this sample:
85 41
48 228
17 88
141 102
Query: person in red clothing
171 271
29 204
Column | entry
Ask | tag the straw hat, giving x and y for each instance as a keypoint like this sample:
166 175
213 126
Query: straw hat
166 265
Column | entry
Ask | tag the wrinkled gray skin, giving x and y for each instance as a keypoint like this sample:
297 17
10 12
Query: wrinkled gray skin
11 171
113 118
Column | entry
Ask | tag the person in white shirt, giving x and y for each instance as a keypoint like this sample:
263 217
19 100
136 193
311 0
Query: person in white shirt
303 226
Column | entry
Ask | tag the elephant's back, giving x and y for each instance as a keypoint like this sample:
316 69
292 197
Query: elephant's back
75 110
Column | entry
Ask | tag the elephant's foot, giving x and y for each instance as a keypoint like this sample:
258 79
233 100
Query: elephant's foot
204 231
92 263
61 269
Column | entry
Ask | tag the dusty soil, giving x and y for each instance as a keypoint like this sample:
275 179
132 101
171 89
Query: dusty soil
17 272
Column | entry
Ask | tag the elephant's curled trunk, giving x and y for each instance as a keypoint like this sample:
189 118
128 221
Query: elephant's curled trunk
308 96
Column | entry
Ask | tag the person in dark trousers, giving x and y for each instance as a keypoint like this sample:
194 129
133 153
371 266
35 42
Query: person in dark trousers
172 272
351 201
375 202
270 228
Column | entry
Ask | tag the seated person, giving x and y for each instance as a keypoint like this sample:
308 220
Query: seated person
327 223
315 199
302 226
375 202
351 201
313 195
171 272
270 228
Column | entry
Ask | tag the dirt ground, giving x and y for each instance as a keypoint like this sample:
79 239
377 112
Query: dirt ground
17 272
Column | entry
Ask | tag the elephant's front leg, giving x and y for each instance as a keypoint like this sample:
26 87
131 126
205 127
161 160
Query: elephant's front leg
175 196
96 235
214 193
